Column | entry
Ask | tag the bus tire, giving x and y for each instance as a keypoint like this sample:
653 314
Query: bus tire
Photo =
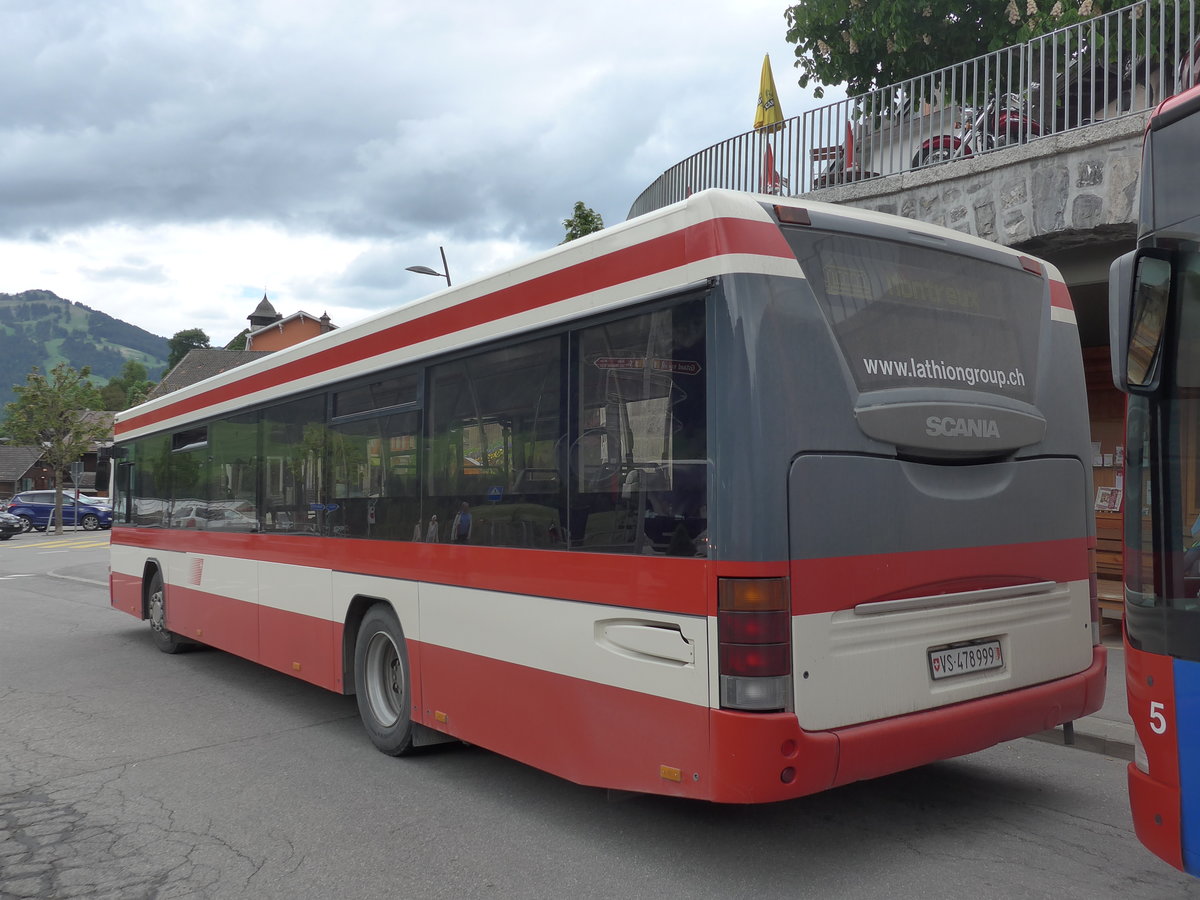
156 612
381 681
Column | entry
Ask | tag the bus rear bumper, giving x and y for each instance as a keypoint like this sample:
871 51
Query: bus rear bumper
760 758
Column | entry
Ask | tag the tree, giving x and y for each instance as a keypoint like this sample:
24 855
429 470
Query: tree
51 412
127 389
583 221
873 43
184 341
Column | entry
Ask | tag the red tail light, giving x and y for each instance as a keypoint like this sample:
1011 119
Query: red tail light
754 643
743 659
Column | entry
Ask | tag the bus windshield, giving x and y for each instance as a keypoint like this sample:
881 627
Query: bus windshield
1174 590
912 316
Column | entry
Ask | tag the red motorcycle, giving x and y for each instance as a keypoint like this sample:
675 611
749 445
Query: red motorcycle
1002 122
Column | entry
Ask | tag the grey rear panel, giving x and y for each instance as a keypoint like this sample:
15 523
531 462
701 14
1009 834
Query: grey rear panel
849 505
769 340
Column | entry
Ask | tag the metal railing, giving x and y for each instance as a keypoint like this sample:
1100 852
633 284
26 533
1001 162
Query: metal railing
1112 65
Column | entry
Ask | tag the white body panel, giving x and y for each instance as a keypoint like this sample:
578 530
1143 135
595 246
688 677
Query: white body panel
660 654
861 668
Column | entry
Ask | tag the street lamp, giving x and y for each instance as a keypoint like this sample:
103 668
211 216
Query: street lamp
425 270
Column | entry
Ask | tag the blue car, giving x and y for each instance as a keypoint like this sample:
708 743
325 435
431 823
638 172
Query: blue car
36 509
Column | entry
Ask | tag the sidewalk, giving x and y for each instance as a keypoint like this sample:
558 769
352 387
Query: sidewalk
1109 730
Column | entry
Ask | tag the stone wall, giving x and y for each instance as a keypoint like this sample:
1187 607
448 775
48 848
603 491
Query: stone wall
1055 194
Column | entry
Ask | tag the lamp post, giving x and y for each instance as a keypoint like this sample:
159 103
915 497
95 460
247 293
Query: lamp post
425 270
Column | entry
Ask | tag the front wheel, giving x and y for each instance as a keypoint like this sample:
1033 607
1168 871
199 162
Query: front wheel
90 522
381 681
934 154
156 609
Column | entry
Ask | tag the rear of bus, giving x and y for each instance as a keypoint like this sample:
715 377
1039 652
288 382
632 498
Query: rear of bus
908 578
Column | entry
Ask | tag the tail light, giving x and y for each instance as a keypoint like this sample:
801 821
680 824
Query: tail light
754 644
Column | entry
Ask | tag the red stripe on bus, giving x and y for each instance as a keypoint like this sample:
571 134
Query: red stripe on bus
716 237
827 585
669 584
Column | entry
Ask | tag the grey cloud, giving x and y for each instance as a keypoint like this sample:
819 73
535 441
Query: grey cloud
139 274
144 124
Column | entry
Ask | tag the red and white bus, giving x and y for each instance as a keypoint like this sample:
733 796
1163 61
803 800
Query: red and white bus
739 500
1155 338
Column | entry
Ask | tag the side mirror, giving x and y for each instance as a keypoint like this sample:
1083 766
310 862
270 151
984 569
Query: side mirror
1139 293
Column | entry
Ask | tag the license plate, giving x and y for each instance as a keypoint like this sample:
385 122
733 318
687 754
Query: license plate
964 659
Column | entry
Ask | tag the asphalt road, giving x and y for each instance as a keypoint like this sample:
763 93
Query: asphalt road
126 773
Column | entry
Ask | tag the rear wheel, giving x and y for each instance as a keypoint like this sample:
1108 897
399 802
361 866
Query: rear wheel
381 681
26 522
156 609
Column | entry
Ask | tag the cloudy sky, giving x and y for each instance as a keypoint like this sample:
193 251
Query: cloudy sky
166 161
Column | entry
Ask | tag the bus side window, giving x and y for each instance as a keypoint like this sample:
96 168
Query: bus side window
374 473
496 420
292 461
233 475
151 488
639 459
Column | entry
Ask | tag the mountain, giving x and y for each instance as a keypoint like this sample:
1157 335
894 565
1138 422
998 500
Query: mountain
39 328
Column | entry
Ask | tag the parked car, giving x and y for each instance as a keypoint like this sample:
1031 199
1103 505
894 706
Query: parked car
36 509
217 516
10 525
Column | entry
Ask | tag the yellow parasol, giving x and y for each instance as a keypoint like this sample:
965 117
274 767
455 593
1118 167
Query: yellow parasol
767 115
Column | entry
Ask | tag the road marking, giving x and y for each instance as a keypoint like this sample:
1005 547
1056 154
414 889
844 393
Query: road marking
17 575
73 542
48 546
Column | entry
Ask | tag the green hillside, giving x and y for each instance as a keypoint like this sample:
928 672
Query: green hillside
39 328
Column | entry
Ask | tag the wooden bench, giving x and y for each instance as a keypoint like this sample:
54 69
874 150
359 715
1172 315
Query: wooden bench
1110 578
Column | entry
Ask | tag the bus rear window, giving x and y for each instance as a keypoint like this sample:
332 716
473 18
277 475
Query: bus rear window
907 316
